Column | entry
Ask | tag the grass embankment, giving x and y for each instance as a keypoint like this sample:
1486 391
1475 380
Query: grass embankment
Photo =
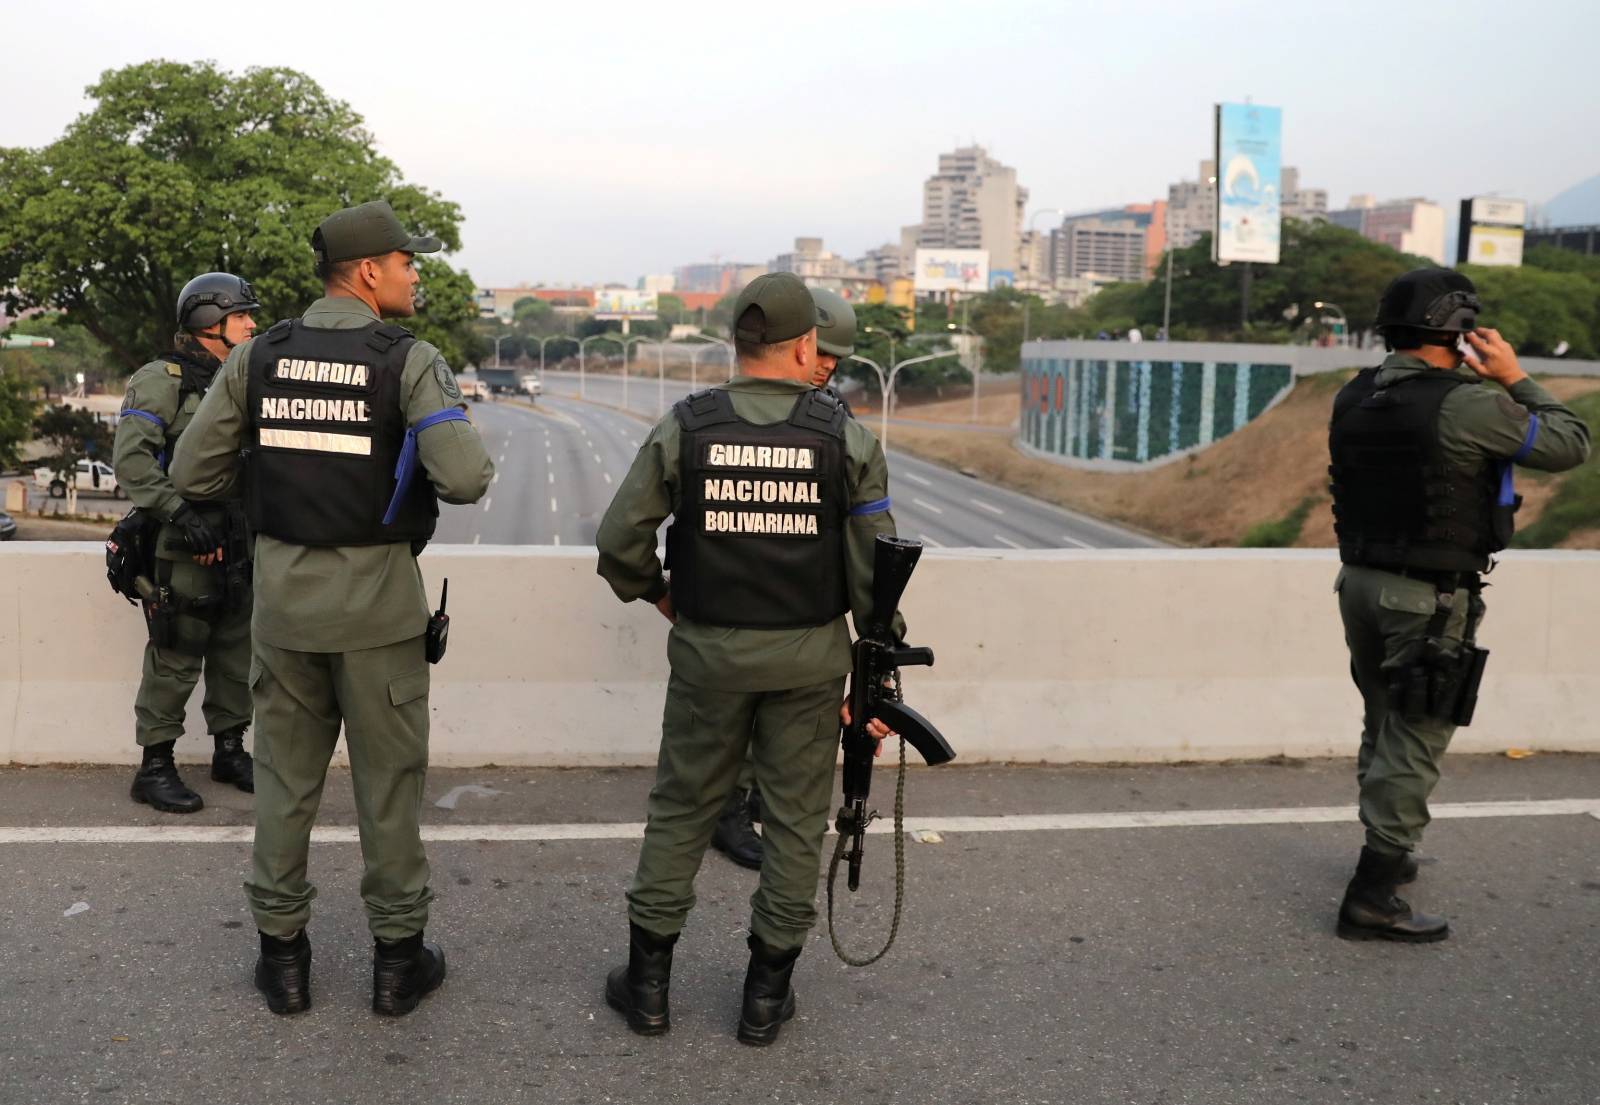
1265 485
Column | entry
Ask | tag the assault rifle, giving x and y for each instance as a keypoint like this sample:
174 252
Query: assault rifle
875 693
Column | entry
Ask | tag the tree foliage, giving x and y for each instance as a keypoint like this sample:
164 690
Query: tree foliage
17 407
180 169
73 434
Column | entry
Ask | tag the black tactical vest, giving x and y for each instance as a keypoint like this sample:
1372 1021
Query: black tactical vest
757 538
326 429
1397 501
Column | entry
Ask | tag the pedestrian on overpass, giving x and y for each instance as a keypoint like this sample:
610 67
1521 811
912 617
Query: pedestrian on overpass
1423 449
198 612
776 498
735 835
334 412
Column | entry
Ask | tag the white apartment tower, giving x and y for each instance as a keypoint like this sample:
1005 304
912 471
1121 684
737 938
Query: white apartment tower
974 202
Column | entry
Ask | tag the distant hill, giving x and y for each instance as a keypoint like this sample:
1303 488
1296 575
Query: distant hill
1577 206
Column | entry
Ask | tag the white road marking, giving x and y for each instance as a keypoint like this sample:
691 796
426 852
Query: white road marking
502 459
552 476
597 459
495 480
981 505
549 459
477 537
632 830
487 502
556 539
926 540
607 475
1071 540
914 478
927 506
1008 541
552 504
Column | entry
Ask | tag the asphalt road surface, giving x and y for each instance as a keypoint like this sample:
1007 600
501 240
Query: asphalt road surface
1127 944
559 461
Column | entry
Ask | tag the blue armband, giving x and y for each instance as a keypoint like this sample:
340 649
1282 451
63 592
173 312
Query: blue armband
877 506
406 467
1527 442
146 415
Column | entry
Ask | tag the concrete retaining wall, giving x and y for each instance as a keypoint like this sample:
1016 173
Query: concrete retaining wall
1058 655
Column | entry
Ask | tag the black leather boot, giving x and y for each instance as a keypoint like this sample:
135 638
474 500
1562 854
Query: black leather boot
230 763
639 990
1370 910
768 997
403 973
735 836
283 973
1408 870
158 783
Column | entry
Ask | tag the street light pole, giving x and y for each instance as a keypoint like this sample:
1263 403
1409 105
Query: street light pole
1344 323
627 344
583 347
694 356
886 385
1166 305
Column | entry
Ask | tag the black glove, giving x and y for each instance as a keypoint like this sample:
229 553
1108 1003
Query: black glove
201 538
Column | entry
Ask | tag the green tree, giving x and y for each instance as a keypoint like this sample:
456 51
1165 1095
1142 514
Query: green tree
73 435
180 169
17 407
1537 308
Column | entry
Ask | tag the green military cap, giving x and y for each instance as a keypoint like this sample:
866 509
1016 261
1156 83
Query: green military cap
784 305
366 230
836 323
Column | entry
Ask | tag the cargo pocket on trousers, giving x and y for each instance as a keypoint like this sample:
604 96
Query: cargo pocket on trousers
408 687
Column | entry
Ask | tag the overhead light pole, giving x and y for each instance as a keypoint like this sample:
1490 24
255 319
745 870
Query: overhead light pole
886 384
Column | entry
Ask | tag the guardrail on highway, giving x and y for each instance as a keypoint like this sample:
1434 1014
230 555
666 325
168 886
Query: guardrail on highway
1059 656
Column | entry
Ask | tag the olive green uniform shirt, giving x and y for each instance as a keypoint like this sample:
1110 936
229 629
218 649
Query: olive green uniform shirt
155 390
1484 423
344 598
743 659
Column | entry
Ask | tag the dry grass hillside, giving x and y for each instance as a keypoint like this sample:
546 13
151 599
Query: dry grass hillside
1267 483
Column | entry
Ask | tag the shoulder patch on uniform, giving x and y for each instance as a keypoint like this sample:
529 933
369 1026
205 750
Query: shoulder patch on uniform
446 378
173 370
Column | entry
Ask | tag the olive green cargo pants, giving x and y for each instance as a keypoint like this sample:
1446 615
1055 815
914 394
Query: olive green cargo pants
381 696
1398 764
221 649
793 738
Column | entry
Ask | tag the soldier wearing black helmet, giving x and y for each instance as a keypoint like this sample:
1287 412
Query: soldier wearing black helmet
197 621
1422 451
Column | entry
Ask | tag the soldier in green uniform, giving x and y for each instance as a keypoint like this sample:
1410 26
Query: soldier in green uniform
1423 449
776 498
735 835
334 411
200 623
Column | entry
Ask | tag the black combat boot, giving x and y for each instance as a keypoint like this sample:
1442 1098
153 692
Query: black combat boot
756 813
230 763
639 990
768 997
735 835
283 973
403 973
1408 870
1370 910
158 783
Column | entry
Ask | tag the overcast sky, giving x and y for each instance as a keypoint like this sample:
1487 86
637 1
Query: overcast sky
599 141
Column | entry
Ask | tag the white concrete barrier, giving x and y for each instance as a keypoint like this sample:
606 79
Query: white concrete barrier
1058 656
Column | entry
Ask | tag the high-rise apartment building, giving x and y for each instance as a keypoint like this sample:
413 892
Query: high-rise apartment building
1108 246
808 260
1410 225
1305 204
974 202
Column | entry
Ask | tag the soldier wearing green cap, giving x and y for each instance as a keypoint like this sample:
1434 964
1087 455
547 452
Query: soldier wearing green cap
735 834
776 498
200 616
335 412
1422 451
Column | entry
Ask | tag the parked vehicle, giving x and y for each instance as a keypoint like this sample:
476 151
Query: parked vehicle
498 379
476 390
532 387
8 526
92 477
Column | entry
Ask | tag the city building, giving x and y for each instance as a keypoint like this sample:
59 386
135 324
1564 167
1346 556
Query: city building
1099 246
723 277
974 202
1414 226
656 285
1191 208
1579 239
809 261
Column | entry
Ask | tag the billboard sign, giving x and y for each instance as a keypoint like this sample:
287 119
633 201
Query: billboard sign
612 303
1002 278
1491 231
952 270
1249 161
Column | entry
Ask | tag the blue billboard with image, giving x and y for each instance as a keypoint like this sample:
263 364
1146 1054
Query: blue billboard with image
1249 148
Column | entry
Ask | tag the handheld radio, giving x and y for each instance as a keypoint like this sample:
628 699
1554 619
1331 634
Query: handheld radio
438 637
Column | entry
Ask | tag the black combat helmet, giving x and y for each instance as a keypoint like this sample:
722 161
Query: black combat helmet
1433 306
211 297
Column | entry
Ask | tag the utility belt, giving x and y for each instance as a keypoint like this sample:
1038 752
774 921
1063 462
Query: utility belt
1436 676
170 616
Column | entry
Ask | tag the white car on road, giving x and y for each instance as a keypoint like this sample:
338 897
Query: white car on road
532 387
92 477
